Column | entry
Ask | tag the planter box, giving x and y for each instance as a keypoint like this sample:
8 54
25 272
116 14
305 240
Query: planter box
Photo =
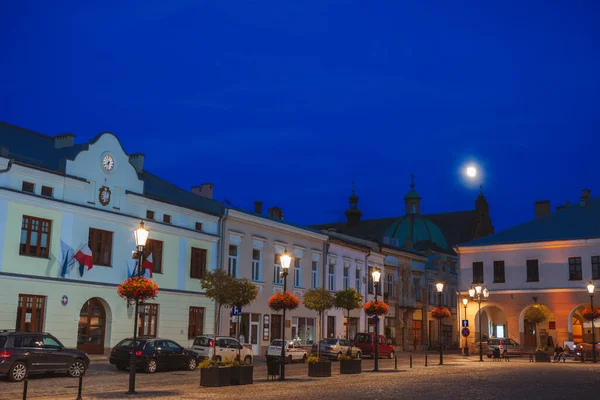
242 375
215 376
273 369
542 357
320 369
351 366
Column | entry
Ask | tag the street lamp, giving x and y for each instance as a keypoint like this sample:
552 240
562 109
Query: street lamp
479 294
465 302
141 236
590 288
285 265
376 274
440 288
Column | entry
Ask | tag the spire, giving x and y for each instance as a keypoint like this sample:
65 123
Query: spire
412 199
412 183
353 214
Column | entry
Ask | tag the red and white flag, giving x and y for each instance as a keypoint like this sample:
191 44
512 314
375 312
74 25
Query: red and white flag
148 266
84 258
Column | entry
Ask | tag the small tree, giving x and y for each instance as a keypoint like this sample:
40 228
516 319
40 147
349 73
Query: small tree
218 286
348 300
536 315
319 300
243 293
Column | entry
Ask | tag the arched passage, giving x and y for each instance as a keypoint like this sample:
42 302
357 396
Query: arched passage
94 318
545 330
493 322
576 322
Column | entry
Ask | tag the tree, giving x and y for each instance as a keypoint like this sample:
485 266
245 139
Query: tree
535 314
348 300
218 286
243 293
319 300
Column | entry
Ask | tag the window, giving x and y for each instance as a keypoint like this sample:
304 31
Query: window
389 285
198 263
233 260
149 214
595 267
35 237
196 322
166 218
314 282
477 272
100 243
370 278
331 277
148 320
575 268
297 272
256 264
154 248
358 280
432 292
28 187
498 271
199 226
306 330
532 271
277 273
346 277
417 288
30 313
47 191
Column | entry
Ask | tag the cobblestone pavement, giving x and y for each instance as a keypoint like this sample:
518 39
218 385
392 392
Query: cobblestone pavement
460 377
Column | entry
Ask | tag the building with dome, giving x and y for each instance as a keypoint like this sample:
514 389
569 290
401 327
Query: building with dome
421 248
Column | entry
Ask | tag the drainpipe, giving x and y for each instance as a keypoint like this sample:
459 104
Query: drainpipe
366 289
220 258
8 167
325 272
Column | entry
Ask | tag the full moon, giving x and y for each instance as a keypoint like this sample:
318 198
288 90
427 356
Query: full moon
471 171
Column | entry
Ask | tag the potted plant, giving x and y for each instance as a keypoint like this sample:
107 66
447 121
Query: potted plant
440 313
590 314
376 308
214 373
541 354
349 300
243 293
319 300
137 288
279 302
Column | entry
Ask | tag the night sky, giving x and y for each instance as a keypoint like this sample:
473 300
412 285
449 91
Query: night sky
288 102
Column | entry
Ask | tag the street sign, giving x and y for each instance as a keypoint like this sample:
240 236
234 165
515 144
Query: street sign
465 323
235 319
465 332
236 311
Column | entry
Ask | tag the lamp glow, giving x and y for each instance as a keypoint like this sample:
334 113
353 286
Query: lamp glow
471 292
285 261
141 235
376 274
440 287
591 287
465 301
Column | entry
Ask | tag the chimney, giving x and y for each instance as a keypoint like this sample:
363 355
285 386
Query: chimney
585 196
558 208
64 140
542 208
258 207
275 212
137 160
205 190
4 151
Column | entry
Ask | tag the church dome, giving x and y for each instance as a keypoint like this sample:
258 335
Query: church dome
412 194
421 231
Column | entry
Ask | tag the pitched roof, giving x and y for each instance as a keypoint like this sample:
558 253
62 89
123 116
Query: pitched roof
572 223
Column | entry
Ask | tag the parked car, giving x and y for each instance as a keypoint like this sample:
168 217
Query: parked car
509 347
294 351
224 348
23 353
153 354
335 347
586 349
364 341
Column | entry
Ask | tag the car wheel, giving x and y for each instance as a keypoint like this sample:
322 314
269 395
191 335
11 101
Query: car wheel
151 366
192 364
121 367
304 357
391 356
77 368
18 372
288 360
248 360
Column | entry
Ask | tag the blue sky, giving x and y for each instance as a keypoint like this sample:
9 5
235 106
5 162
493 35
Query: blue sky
288 102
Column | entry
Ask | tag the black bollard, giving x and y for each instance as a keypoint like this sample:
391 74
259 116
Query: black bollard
425 359
395 362
411 360
79 388
25 389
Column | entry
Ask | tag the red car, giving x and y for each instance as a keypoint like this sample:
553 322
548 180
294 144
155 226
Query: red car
364 341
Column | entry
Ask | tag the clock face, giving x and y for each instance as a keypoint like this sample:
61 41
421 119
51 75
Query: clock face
108 163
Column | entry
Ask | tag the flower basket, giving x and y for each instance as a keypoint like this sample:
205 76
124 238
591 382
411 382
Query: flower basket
373 308
283 301
440 313
137 288
589 315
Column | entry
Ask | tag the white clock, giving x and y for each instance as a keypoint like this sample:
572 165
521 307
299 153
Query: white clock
108 163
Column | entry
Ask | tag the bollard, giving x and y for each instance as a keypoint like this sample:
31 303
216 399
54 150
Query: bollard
79 388
395 362
25 389
425 359
411 360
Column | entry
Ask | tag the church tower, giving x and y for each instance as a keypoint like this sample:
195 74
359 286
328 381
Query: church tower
353 214
412 199
483 222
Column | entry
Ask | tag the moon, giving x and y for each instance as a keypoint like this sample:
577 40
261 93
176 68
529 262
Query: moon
471 171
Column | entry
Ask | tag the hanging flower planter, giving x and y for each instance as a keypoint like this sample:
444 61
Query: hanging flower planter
373 308
283 301
590 314
137 288
440 313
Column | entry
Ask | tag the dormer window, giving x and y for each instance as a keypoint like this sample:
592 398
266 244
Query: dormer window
28 187
47 191
149 214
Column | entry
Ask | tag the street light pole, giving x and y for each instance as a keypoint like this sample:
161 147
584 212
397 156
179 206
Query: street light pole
440 288
285 265
466 351
141 235
376 276
479 294
591 288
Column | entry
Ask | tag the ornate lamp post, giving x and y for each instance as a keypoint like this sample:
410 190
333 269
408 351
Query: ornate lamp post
591 288
479 294
440 288
141 236
376 274
465 302
285 265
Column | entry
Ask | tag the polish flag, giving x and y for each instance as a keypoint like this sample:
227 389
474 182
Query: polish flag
84 257
148 265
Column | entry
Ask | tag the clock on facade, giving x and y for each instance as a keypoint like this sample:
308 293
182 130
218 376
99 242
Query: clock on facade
108 163
104 195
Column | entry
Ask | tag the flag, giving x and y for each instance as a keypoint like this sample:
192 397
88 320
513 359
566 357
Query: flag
132 269
67 260
148 266
84 257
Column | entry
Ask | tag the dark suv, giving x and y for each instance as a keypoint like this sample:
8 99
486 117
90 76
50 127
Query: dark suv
22 353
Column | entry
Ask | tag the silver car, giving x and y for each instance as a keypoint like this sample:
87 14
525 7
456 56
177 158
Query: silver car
335 347
506 346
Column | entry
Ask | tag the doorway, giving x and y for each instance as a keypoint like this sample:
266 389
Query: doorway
254 332
92 324
330 326
276 326
529 339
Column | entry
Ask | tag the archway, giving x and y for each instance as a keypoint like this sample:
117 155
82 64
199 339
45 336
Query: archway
493 322
529 331
576 324
91 329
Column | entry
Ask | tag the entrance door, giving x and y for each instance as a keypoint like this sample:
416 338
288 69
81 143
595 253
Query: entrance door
330 326
529 340
276 326
92 322
254 332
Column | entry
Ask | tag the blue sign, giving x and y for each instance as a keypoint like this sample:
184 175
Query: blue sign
236 311
465 323
465 332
